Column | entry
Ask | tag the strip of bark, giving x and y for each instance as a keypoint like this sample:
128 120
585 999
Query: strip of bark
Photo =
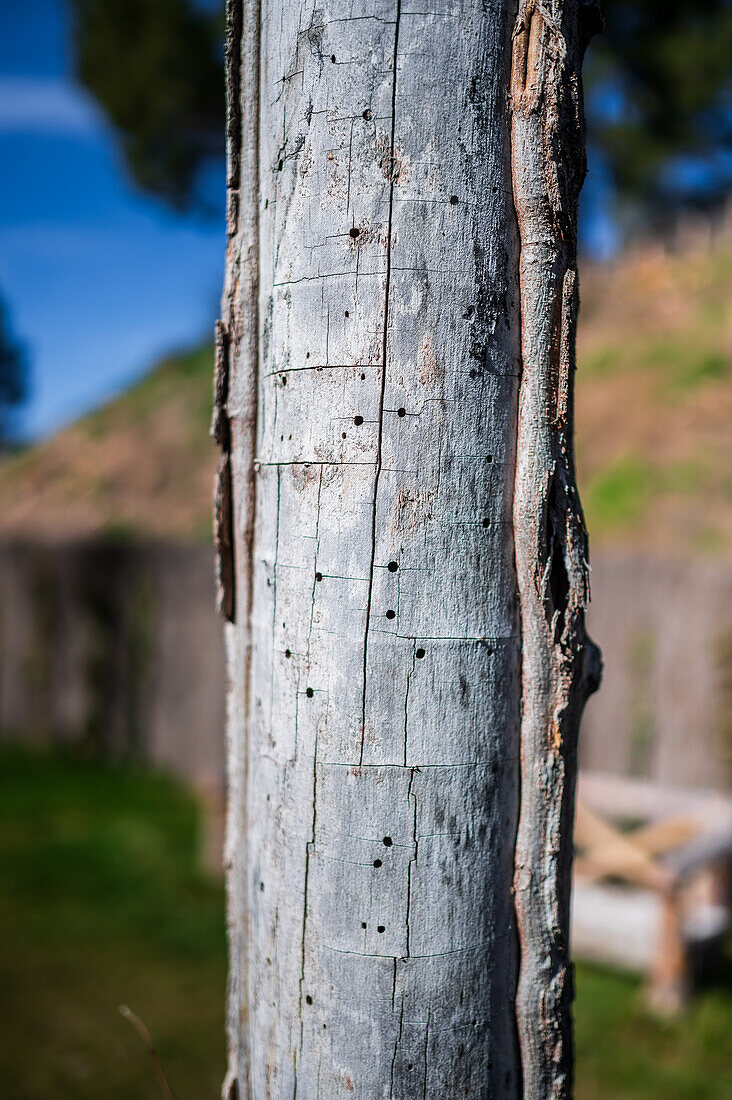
234 428
560 665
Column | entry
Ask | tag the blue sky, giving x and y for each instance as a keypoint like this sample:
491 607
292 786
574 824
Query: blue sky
99 280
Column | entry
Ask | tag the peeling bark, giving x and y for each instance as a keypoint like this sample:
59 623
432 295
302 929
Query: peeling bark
234 428
560 666
367 408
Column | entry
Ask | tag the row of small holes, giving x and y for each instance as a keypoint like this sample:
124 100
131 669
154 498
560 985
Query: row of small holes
392 566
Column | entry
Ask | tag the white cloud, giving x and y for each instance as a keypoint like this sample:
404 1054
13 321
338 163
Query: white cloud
38 105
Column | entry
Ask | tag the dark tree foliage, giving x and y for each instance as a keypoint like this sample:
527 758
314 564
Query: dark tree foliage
659 93
156 66
659 101
13 374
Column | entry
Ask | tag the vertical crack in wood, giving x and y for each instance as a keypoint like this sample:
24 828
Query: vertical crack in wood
234 428
223 518
560 665
377 475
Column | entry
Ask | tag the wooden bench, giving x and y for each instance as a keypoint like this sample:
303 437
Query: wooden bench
651 878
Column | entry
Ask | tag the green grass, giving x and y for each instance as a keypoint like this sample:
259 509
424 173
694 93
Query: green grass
624 1052
616 497
102 902
683 362
686 363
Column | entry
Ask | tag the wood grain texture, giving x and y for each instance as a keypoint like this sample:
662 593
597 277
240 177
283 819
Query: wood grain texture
379 789
375 710
560 666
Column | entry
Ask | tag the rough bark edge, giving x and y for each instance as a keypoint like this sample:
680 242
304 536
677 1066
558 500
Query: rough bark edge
560 665
234 429
223 516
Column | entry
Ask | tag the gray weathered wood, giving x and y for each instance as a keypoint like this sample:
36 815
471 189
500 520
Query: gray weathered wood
234 427
560 666
373 324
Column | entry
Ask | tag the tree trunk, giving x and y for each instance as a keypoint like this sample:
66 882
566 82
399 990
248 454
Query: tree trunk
383 544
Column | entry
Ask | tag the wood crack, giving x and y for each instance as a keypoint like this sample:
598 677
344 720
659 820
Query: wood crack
377 475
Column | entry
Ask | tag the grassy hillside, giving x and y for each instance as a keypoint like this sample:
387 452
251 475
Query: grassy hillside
654 400
654 408
143 464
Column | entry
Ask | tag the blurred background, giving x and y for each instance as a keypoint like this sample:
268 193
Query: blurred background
111 655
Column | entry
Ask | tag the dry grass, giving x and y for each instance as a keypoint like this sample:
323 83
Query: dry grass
654 399
654 407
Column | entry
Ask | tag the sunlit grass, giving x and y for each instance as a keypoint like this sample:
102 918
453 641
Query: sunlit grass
103 902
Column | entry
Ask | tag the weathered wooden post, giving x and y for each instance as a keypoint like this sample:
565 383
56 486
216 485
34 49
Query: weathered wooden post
402 555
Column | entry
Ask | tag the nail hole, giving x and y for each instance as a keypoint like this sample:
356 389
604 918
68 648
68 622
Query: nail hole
473 374
377 863
419 653
261 887
279 166
284 379
486 523
355 232
381 928
307 354
363 376
363 923
388 842
489 458
357 420
308 1000
309 692
454 200
393 566
391 614
468 313
287 653
367 115
346 314
332 57
401 412
343 435
318 576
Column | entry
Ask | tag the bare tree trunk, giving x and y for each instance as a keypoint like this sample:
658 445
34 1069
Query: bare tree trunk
369 415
